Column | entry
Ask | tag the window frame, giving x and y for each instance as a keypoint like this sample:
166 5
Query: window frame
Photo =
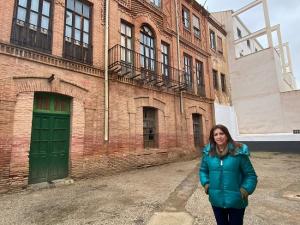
188 70
223 82
239 33
86 55
196 30
165 60
215 79
199 69
36 36
144 46
186 21
220 44
128 51
212 38
153 2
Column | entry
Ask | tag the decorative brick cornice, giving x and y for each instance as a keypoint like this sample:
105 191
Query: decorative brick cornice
34 56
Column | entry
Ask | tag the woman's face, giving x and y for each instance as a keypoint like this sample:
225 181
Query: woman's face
220 137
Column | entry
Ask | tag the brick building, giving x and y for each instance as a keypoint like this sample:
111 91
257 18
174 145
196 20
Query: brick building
53 97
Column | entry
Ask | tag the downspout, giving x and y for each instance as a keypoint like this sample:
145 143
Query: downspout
178 53
106 93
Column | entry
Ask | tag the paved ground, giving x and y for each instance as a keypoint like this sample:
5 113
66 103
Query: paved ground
164 195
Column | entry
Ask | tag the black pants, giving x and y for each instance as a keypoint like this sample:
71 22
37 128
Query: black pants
229 216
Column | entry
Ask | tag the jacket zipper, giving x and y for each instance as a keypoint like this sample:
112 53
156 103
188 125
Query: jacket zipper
222 184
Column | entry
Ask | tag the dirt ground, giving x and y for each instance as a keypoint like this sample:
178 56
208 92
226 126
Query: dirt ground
132 198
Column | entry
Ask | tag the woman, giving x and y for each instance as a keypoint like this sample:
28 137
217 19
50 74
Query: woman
227 176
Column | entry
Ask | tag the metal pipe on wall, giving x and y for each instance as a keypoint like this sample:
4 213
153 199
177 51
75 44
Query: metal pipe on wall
106 91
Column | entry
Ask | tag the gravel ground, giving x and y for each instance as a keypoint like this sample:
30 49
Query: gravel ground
131 198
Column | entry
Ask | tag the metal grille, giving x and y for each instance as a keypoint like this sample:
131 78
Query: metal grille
149 126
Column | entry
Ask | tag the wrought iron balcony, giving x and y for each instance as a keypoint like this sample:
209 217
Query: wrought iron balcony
31 36
132 65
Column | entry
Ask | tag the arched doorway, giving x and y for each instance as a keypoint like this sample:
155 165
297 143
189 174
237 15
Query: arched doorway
50 137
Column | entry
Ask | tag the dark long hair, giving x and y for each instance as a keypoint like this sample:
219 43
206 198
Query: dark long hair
213 144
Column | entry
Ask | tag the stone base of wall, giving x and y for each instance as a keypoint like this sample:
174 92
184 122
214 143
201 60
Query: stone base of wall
115 163
105 165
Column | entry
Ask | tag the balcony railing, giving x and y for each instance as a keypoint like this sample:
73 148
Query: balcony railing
31 36
78 51
129 64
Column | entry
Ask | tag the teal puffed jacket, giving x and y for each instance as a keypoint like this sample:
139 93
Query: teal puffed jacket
226 176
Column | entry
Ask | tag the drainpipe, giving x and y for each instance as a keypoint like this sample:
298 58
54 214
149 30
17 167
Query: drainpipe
178 53
106 93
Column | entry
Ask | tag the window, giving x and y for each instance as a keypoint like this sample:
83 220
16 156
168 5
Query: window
198 130
212 40
200 78
188 70
77 31
223 82
149 127
126 49
165 60
186 18
156 2
248 44
239 33
32 24
220 45
126 43
147 49
215 79
196 26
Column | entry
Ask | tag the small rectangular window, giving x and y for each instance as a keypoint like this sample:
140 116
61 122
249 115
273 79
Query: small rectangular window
248 44
223 82
215 79
239 32
212 40
188 71
186 18
165 61
156 3
196 26
220 45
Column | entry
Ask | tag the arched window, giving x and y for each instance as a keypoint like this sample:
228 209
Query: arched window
147 49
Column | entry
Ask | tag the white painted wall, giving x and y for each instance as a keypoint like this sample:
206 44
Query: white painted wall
226 115
257 82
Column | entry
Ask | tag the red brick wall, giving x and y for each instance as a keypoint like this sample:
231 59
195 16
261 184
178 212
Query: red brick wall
24 72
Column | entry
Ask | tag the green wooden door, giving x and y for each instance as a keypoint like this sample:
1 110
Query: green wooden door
50 136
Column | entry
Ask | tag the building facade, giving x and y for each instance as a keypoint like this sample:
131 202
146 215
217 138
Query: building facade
219 53
263 87
55 95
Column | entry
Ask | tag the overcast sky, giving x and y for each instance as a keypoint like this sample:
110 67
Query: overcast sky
286 13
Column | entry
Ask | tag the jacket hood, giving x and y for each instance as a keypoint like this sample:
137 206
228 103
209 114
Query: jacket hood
243 150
